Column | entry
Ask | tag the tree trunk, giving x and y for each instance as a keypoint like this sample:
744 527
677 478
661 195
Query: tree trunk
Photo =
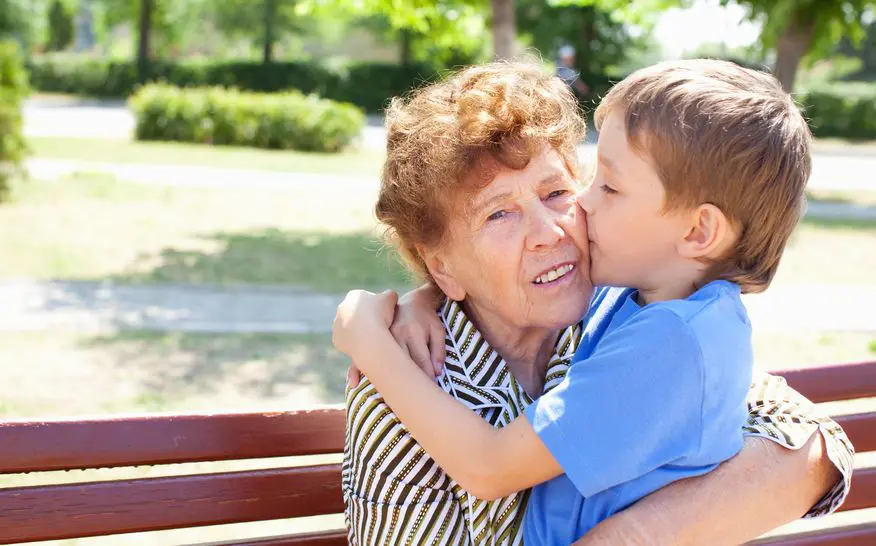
270 15
405 38
504 29
793 44
588 34
144 43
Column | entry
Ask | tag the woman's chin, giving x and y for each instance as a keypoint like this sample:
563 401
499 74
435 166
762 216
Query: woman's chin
564 303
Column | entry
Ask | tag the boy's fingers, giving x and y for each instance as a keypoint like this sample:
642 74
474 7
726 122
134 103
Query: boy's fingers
436 348
420 355
353 376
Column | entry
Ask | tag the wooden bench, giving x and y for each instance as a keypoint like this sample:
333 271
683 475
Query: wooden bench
103 508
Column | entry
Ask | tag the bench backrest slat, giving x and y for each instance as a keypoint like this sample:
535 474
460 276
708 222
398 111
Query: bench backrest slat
319 538
158 439
861 430
863 492
150 504
863 534
834 382
114 441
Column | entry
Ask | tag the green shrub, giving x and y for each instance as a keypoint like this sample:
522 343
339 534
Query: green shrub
216 115
841 109
13 88
367 85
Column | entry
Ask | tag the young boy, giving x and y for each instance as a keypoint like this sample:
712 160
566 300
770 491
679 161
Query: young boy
699 183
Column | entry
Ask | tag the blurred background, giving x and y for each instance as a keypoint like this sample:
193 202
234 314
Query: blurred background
186 186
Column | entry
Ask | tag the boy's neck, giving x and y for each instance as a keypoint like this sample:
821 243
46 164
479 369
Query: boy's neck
675 285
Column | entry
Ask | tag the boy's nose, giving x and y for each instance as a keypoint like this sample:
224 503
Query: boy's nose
585 200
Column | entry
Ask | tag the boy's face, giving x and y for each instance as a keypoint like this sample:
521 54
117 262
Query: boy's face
633 243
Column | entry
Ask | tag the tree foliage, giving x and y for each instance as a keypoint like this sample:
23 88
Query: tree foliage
444 32
601 40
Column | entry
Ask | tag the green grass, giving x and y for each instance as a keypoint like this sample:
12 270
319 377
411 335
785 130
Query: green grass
783 350
93 227
830 252
860 198
834 144
361 162
67 373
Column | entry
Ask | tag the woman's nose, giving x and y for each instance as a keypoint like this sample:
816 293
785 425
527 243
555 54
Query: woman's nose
544 229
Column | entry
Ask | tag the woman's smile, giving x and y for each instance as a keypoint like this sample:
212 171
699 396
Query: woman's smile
556 275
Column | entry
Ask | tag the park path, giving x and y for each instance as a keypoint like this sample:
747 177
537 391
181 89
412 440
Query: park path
27 305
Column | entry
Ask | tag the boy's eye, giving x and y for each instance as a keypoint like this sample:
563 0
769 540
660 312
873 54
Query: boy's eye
498 215
607 189
557 193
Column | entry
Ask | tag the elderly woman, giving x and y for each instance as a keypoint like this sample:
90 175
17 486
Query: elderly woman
504 133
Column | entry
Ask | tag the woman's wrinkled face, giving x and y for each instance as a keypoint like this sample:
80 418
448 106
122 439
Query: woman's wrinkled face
517 251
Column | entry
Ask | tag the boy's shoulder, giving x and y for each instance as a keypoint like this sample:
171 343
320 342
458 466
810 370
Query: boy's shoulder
714 304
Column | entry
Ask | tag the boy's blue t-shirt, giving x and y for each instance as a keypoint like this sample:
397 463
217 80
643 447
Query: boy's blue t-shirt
655 394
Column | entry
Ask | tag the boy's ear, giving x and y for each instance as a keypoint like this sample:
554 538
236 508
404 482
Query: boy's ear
442 274
709 235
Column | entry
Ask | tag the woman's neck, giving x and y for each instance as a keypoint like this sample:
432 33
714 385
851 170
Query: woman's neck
526 351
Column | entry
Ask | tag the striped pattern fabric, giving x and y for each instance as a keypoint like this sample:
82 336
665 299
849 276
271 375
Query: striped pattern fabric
781 414
395 494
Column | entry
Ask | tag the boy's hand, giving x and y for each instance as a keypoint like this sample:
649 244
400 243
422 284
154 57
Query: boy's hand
418 331
359 316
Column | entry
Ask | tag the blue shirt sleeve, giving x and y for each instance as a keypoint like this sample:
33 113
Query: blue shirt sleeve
633 406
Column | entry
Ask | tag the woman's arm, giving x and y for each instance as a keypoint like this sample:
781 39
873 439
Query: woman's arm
763 487
794 460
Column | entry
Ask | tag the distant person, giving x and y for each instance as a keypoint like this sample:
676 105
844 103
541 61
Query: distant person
566 71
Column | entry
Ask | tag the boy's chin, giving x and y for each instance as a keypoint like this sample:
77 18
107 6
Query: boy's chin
599 278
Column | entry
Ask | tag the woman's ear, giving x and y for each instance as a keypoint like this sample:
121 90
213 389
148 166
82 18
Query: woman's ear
710 234
442 273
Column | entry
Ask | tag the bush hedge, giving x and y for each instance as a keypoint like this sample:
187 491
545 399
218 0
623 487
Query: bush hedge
13 88
841 109
367 85
217 115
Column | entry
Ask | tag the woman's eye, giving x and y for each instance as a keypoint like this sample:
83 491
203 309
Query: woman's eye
498 215
607 189
557 193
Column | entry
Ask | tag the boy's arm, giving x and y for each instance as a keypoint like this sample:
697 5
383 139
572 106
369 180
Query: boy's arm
489 463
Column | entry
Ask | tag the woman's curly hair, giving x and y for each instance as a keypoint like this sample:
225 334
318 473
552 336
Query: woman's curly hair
450 138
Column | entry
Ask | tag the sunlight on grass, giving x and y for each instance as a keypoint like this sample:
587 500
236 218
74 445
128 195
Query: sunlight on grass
361 162
783 350
319 236
830 252
93 227
70 373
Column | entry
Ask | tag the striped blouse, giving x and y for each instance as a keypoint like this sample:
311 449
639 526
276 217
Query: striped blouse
395 494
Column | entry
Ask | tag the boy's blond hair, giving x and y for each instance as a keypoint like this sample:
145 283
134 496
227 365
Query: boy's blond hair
722 134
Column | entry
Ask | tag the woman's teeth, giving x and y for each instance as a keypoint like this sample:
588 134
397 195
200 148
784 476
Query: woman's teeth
554 274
